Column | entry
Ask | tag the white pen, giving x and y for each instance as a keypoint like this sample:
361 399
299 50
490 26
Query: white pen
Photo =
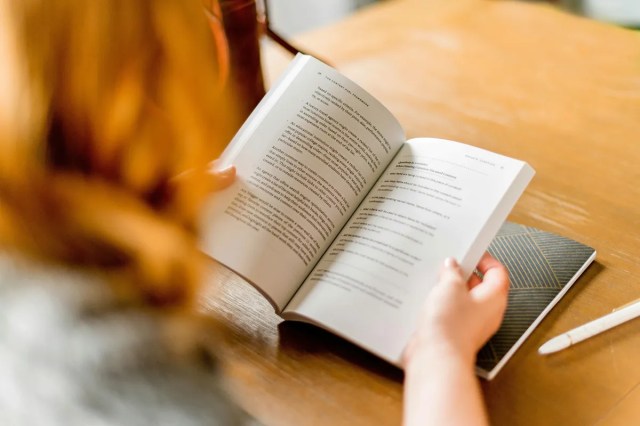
597 326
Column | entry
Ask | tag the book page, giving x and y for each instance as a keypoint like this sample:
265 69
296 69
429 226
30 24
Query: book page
437 199
305 159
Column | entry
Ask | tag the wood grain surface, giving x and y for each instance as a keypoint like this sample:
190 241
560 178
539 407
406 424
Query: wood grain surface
525 80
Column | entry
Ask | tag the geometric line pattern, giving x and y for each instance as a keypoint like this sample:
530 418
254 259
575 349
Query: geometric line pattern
540 264
527 266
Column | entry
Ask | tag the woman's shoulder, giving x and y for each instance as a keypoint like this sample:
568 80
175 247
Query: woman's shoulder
77 355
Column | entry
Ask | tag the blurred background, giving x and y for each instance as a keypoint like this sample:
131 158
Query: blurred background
290 17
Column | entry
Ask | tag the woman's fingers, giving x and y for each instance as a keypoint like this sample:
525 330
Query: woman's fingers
495 279
474 280
223 178
486 262
451 274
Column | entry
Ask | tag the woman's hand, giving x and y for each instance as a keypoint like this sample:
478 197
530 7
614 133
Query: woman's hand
221 179
457 319
461 316
187 191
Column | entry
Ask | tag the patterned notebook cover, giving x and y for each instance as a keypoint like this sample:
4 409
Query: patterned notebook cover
542 266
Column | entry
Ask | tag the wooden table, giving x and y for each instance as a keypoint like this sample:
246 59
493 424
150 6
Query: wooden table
560 92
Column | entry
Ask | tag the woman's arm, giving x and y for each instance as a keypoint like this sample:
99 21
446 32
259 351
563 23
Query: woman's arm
458 318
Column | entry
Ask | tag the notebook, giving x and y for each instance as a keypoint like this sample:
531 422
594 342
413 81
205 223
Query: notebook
542 267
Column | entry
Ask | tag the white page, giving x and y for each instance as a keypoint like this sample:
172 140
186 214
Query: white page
437 199
305 159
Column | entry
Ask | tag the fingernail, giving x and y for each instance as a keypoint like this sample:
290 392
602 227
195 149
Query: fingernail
227 170
450 262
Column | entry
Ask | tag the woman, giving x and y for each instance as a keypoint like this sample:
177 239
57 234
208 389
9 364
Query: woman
111 111
109 115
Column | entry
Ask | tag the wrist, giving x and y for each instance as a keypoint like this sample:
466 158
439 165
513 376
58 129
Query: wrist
425 351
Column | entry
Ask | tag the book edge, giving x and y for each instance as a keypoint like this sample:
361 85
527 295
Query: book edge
261 110
263 293
498 216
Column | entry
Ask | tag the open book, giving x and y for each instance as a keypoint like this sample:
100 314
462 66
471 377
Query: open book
339 220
